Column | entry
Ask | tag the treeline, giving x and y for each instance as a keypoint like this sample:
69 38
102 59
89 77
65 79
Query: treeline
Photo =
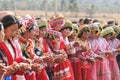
88 6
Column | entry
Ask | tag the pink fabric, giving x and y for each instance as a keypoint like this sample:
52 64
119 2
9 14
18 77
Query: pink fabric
102 67
103 71
94 48
115 75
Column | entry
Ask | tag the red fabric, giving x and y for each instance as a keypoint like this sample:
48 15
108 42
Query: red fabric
45 46
30 76
14 77
61 66
76 68
22 40
85 71
42 75
7 53
30 48
18 57
62 45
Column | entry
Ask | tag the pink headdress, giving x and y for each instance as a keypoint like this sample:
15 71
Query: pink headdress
56 21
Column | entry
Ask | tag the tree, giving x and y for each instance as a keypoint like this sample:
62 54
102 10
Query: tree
90 11
63 5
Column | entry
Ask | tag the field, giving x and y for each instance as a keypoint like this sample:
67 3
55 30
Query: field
72 15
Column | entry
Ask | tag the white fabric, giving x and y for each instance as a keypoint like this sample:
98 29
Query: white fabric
10 49
20 77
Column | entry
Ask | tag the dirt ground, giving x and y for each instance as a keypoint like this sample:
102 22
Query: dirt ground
72 15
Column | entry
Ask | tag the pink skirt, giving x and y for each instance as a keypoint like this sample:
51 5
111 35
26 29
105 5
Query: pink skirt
93 71
103 70
115 75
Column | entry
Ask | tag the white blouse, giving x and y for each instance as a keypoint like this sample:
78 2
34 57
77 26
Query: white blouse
10 49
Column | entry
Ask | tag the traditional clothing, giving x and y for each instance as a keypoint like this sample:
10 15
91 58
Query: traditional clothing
94 49
75 62
11 57
115 72
63 70
103 70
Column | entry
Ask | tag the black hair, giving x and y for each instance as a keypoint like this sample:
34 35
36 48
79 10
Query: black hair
42 27
9 20
66 28
80 20
83 30
94 21
74 22
110 22
1 25
87 20
49 36
30 27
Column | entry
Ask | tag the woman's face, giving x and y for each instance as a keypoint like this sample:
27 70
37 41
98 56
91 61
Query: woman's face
31 34
11 31
82 22
93 34
65 32
114 36
16 33
42 32
108 37
57 28
85 34
74 34
2 35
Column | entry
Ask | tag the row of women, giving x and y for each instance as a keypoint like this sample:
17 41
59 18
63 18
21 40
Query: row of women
56 49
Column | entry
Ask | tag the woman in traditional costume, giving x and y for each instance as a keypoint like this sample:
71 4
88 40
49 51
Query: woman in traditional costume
102 67
63 70
11 24
114 48
75 62
42 25
3 58
94 30
83 53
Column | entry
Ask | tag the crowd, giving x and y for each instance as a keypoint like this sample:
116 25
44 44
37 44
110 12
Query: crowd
57 49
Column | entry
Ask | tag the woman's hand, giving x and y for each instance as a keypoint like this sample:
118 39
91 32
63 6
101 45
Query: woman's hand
36 67
24 67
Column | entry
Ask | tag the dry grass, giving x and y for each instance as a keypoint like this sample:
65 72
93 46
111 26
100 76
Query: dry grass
71 16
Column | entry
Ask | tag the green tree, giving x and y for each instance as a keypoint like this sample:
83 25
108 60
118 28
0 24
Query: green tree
90 11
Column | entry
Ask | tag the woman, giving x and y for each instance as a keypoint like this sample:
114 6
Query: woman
72 53
39 44
57 23
94 30
11 24
102 67
115 75
2 55
28 33
83 53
